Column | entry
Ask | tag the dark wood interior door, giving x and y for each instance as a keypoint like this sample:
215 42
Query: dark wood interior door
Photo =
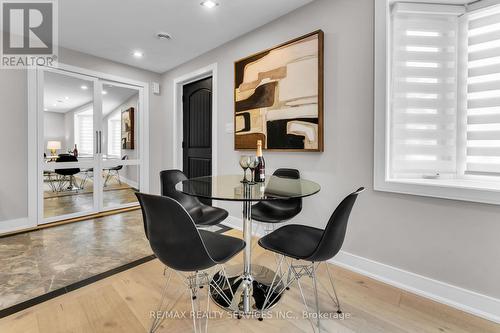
197 129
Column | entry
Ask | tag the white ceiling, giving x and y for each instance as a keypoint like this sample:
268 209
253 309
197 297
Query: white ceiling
112 29
64 93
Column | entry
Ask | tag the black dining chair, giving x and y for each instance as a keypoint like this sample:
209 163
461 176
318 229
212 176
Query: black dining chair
203 215
114 172
181 247
66 177
278 211
313 245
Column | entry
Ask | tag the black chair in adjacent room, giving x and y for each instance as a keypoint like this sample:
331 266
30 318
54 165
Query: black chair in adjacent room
278 211
114 172
203 215
66 177
312 245
184 249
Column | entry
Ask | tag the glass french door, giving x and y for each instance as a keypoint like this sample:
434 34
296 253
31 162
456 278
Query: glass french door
88 145
119 150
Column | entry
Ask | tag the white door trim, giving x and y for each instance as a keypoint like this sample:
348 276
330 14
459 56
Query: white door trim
35 204
179 82
31 220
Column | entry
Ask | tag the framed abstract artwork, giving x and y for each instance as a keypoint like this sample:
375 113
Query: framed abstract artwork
128 129
278 97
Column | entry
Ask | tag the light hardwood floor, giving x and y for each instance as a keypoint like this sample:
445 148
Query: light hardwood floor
69 202
122 303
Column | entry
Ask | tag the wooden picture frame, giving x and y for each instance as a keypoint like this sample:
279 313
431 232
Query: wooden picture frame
127 128
295 124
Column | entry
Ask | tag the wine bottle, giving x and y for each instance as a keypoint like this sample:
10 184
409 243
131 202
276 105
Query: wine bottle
75 151
260 170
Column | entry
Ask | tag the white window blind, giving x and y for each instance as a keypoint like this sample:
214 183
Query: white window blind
483 92
114 136
423 101
84 133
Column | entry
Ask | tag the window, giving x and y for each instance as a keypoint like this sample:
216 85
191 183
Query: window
437 117
114 135
483 93
84 132
423 108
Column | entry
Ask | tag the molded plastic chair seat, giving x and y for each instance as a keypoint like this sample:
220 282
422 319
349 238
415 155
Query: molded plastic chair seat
295 241
277 211
274 211
66 172
180 246
312 245
221 247
207 215
203 215
177 242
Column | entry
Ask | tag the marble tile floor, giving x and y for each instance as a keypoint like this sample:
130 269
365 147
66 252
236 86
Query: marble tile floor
38 262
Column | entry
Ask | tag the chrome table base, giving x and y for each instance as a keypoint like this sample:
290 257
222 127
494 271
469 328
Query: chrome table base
249 286
244 295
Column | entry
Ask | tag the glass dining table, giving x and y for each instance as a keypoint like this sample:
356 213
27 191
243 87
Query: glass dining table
248 285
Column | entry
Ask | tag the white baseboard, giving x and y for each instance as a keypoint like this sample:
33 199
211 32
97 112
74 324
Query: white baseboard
466 300
129 182
8 226
233 222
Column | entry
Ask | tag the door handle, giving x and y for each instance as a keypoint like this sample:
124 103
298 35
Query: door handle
100 142
97 142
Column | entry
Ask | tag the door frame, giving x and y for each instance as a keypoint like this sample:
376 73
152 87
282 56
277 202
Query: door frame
35 91
177 117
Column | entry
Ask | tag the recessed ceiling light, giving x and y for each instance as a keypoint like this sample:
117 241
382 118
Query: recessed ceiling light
138 54
66 98
209 4
104 92
84 87
55 104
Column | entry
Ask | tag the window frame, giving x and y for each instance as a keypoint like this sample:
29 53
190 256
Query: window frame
76 126
114 118
466 189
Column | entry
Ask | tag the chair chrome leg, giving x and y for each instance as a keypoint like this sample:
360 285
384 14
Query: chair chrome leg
193 283
315 286
106 179
272 287
195 309
305 302
290 275
336 300
159 316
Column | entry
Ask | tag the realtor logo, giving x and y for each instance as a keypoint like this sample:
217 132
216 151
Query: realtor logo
29 33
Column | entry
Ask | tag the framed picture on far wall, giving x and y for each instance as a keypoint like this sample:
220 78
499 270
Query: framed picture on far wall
278 97
128 129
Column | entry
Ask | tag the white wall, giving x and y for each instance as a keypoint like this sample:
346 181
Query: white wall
451 241
129 172
69 129
13 150
14 121
54 129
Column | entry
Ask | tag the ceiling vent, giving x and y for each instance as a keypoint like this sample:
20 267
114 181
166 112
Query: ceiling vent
163 35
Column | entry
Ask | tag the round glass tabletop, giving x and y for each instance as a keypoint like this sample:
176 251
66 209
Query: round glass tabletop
230 188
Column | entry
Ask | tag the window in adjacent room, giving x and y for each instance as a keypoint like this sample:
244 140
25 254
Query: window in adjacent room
114 135
84 132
